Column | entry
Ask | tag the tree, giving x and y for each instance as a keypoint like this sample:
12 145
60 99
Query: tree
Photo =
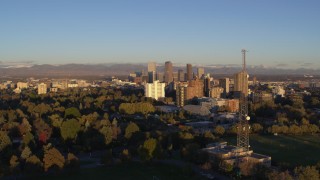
4 140
130 129
33 165
70 129
246 167
219 130
14 164
107 133
26 153
257 128
72 113
24 127
53 158
28 138
306 173
148 149
72 162
275 175
43 130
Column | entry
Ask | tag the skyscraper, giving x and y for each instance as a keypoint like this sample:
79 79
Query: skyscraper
225 84
168 72
207 86
241 82
189 72
181 75
151 76
152 66
200 72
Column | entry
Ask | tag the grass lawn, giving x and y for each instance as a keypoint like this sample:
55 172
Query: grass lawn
286 150
128 171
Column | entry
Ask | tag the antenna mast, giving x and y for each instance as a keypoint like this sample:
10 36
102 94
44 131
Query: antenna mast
243 125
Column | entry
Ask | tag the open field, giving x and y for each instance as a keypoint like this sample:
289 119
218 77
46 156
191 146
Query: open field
286 150
129 171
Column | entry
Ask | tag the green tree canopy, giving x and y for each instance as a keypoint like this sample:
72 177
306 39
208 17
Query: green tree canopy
70 129
72 113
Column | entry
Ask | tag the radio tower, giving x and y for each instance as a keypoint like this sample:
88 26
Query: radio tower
243 125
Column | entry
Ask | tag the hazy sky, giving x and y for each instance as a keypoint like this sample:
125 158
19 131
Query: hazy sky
276 32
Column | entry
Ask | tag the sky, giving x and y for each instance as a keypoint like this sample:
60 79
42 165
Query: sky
276 33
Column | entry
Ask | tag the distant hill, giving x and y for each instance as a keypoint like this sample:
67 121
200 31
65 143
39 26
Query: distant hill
77 70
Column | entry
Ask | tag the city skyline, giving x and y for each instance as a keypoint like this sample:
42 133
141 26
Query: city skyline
277 34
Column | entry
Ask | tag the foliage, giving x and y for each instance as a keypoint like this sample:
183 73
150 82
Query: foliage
70 129
148 149
72 113
4 140
130 129
33 165
26 153
53 158
133 108
219 130
72 162
306 173
275 175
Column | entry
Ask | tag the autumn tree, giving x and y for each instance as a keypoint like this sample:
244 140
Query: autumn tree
130 129
26 153
4 140
53 158
147 150
33 165
306 173
275 175
14 164
219 130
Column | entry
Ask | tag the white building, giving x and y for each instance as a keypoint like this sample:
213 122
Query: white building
21 85
154 90
42 88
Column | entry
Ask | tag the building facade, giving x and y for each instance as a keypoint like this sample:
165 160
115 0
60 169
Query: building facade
189 72
42 88
155 90
168 72
241 82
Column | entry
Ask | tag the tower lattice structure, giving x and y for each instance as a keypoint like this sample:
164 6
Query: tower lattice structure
243 125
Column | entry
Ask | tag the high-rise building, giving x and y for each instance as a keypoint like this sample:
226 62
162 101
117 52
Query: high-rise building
216 92
152 66
189 72
151 76
225 84
175 76
207 86
200 72
42 88
181 94
160 76
241 82
155 90
181 75
168 72
195 89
